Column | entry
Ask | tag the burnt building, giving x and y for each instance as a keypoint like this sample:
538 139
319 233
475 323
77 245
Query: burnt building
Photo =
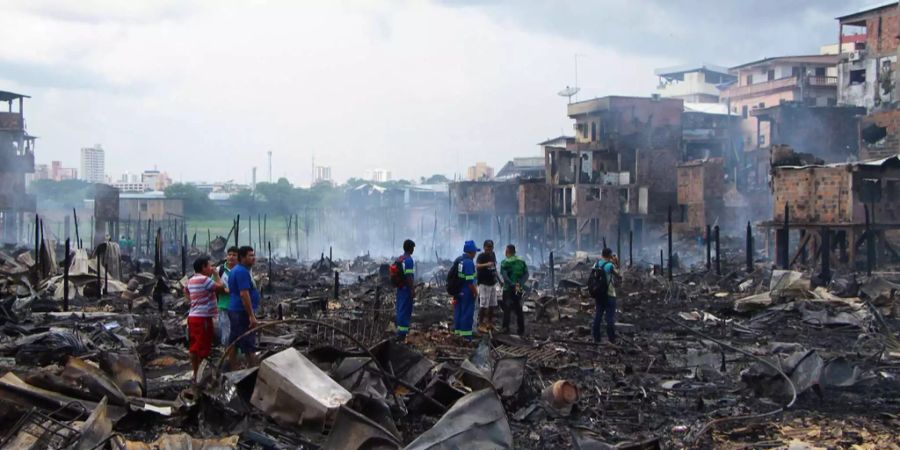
701 194
16 160
826 132
835 206
601 182
868 57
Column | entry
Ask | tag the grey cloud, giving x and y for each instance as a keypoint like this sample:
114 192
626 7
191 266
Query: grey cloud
693 31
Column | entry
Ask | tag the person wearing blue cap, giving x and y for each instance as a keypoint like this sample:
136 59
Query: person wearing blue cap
464 309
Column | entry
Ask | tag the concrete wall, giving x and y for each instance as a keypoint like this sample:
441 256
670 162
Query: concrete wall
888 145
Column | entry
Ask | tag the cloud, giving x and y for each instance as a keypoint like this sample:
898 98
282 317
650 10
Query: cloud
204 89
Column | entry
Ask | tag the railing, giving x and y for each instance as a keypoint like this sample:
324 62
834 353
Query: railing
821 81
758 88
781 83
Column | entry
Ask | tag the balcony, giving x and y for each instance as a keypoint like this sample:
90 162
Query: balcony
11 121
779 84
760 88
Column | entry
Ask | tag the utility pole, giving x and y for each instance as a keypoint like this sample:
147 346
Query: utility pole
270 166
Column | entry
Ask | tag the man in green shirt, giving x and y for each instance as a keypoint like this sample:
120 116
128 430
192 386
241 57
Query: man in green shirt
515 273
224 298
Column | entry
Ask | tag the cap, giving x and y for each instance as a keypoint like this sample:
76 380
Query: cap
470 247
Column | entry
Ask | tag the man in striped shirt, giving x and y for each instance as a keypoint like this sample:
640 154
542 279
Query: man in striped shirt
201 289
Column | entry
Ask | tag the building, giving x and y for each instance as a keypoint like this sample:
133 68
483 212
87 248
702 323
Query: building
322 174
93 164
701 194
833 206
59 173
530 167
378 175
149 205
480 171
866 72
826 132
132 187
16 161
695 84
809 79
155 180
625 148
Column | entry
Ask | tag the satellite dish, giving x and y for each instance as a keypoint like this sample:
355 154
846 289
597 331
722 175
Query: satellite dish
569 91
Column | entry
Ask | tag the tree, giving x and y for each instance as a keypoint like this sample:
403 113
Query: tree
196 202
436 179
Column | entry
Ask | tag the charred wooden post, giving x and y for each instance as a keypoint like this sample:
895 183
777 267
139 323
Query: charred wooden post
784 248
77 236
67 263
270 267
708 247
630 248
337 284
870 242
237 230
662 263
718 252
37 240
825 254
749 248
671 265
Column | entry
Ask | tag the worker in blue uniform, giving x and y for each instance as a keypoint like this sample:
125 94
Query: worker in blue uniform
406 293
464 309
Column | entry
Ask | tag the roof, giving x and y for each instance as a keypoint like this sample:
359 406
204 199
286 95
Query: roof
808 59
889 161
706 108
152 195
556 139
684 68
866 11
6 96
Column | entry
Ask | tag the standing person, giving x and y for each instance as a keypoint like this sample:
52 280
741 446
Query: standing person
515 273
201 291
486 268
405 269
242 307
606 304
464 308
224 270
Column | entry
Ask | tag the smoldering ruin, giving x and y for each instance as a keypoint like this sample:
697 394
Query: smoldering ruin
758 304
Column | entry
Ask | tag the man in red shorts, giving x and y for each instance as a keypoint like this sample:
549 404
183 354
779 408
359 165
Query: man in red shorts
201 289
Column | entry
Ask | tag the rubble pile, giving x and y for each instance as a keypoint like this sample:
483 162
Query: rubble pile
738 360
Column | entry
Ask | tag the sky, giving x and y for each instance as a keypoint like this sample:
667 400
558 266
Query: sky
204 89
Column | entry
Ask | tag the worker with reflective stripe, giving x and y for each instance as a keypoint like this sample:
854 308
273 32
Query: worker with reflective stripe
464 309
406 293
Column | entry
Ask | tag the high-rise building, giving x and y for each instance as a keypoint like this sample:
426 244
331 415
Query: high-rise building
93 164
323 173
378 175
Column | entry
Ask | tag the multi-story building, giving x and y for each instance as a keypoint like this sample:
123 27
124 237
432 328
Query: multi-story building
809 79
868 60
59 173
480 171
693 84
323 174
93 164
378 175
156 180
16 160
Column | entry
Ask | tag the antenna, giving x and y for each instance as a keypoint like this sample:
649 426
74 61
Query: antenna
569 92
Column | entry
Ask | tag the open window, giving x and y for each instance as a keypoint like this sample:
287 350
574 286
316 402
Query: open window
858 76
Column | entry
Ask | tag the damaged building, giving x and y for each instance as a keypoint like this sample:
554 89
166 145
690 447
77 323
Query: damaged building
827 132
868 60
16 161
836 206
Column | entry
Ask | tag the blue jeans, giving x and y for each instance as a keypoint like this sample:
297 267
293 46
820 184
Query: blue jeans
605 307
240 324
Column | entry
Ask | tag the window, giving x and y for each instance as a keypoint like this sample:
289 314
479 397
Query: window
744 111
593 194
762 140
820 71
749 79
795 71
761 105
858 76
593 131
770 74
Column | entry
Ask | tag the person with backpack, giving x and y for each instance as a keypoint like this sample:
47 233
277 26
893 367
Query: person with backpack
461 285
402 274
601 285
515 274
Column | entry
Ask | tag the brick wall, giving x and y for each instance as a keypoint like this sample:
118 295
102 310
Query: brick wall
888 146
534 199
814 194
884 41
